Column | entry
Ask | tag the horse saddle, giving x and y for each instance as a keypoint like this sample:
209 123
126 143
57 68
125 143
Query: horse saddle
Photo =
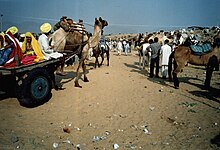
201 49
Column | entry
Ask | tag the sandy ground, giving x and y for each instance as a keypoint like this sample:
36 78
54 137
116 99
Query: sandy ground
120 105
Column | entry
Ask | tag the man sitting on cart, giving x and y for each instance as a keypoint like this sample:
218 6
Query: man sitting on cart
31 50
47 50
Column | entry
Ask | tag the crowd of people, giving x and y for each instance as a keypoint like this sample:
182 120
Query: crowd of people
154 48
158 51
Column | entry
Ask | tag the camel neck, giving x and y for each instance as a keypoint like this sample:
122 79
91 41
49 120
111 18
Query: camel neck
97 31
94 40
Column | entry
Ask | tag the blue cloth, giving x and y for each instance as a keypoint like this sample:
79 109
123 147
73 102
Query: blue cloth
201 49
4 55
102 41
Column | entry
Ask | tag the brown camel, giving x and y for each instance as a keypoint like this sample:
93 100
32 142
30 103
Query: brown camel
183 55
76 42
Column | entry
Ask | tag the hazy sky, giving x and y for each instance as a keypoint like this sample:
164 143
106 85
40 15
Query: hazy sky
123 16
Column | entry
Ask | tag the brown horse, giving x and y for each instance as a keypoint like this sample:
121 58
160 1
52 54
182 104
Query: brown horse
183 55
78 43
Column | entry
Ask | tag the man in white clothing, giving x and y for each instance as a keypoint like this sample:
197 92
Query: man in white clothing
166 50
119 47
46 48
44 42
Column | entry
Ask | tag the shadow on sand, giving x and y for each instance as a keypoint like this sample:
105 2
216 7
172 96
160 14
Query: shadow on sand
210 94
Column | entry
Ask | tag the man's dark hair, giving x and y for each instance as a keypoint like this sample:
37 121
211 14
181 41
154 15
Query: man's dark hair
166 41
156 39
151 41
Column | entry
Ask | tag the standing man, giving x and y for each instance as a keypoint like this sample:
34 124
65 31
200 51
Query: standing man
166 50
119 47
126 47
155 59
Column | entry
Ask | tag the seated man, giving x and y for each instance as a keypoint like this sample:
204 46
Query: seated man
31 50
47 50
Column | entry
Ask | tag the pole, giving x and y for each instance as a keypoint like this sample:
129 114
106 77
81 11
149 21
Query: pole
1 22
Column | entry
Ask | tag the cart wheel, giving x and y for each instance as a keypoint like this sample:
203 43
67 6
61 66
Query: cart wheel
36 88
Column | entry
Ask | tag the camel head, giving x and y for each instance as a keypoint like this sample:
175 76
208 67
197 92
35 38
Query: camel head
100 22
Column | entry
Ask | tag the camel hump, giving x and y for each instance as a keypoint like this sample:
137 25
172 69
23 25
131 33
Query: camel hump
79 27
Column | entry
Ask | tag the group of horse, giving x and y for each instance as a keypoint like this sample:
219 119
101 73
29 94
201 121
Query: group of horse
181 57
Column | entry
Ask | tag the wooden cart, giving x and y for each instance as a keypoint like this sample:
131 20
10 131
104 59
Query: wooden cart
31 84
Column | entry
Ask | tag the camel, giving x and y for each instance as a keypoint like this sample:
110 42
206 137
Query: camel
76 42
183 55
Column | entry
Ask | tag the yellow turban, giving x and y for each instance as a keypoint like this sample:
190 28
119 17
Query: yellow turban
45 28
2 33
13 30
35 47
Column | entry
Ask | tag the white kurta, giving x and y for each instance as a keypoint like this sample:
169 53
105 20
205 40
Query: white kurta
119 47
145 46
165 51
46 50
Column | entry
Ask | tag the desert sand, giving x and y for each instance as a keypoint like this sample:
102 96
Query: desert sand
120 106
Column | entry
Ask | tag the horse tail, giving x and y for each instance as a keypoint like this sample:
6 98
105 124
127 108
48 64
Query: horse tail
170 65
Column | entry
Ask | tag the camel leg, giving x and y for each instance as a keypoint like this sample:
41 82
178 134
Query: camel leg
78 74
96 61
82 64
84 72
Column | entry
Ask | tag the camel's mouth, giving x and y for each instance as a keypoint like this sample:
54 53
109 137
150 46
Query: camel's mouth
105 23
